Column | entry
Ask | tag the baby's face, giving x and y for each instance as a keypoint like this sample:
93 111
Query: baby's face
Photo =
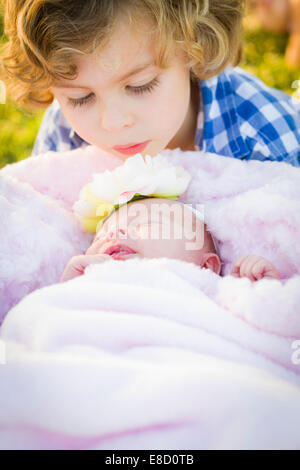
154 228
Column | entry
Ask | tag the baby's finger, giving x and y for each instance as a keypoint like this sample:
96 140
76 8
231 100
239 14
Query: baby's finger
272 273
259 269
247 266
265 269
240 260
86 260
70 272
235 271
78 264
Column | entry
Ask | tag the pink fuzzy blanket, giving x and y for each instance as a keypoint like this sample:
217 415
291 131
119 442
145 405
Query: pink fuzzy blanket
149 353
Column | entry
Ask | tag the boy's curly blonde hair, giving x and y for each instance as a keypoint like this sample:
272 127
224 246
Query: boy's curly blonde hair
46 37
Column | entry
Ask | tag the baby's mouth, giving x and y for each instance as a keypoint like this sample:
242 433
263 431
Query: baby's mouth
123 256
119 251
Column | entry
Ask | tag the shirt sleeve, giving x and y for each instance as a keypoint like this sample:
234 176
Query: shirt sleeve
259 150
269 122
55 133
246 119
274 135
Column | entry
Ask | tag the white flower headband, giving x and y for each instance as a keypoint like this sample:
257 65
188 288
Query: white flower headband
137 178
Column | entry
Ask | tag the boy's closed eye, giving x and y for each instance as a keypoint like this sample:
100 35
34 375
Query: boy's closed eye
138 90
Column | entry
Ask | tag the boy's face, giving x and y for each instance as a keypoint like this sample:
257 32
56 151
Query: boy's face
152 105
153 228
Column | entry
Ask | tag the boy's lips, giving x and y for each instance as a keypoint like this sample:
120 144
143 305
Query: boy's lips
131 149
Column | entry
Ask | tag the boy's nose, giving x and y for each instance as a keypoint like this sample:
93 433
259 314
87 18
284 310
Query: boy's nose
113 119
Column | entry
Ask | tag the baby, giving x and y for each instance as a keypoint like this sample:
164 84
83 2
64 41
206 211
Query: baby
153 228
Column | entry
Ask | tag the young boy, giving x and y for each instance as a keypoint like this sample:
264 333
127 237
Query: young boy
139 76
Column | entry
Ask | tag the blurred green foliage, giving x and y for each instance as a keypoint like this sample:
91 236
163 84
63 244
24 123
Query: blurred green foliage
17 133
18 127
263 56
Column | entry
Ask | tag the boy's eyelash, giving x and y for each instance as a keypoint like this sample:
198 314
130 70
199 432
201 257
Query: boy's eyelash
137 90
80 101
144 88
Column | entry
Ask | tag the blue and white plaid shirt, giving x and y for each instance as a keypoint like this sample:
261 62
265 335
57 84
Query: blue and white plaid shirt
239 117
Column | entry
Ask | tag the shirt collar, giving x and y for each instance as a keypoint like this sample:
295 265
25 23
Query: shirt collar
75 138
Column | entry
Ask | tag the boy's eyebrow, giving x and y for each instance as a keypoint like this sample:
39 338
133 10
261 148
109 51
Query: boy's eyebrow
124 77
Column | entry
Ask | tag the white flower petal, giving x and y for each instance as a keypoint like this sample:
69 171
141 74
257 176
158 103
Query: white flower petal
124 197
145 176
84 209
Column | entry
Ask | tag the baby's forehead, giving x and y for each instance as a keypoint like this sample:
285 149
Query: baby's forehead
150 206
174 212
155 209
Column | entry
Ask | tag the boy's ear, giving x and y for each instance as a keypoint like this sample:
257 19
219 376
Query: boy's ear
211 261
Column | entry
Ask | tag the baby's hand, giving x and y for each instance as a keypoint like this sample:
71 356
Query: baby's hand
77 265
255 268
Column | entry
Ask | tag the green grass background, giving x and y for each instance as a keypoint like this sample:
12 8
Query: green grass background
263 56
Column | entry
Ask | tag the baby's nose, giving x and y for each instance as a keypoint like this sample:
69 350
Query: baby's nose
115 232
